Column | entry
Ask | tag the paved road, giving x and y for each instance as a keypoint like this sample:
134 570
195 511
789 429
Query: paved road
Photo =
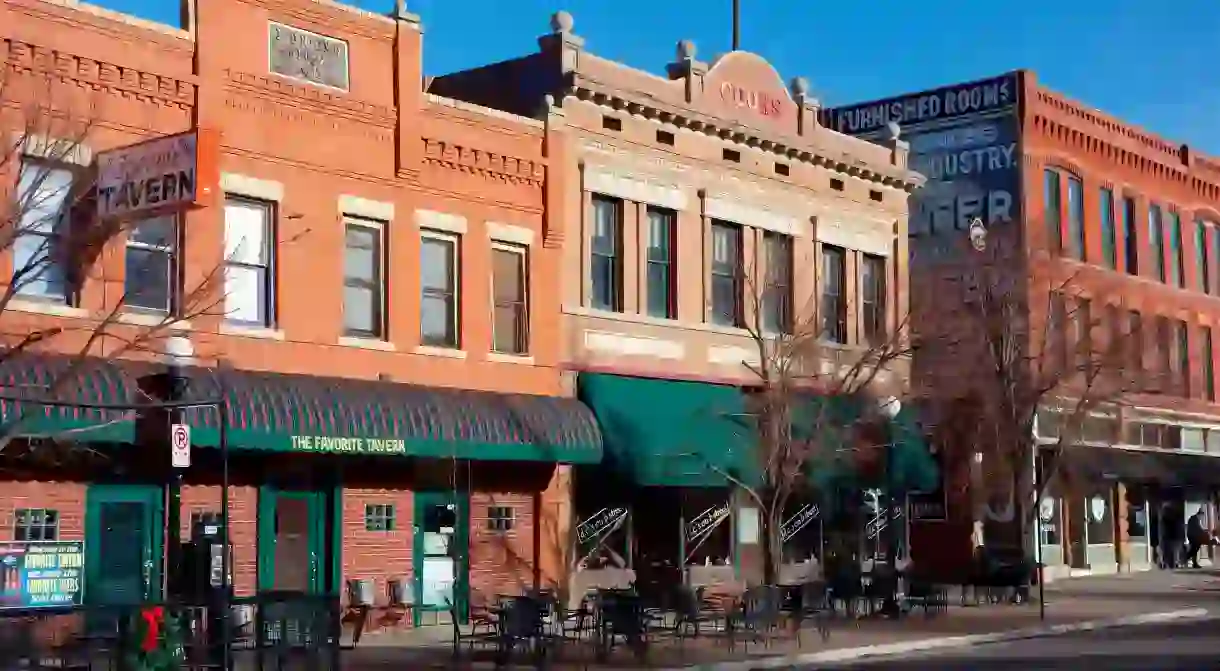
1183 646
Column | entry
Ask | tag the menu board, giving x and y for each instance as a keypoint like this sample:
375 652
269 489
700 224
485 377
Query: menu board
41 574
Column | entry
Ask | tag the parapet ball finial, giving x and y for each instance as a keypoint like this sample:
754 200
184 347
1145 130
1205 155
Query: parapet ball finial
895 131
562 22
800 86
686 49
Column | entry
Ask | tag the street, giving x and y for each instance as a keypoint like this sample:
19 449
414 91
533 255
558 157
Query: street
1193 645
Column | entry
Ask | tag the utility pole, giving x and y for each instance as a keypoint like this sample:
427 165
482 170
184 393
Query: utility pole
736 25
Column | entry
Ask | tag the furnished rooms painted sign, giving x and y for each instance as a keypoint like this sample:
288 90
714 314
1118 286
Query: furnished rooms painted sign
160 176
961 100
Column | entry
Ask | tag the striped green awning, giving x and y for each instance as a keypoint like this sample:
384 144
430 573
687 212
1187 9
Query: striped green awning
301 413
34 377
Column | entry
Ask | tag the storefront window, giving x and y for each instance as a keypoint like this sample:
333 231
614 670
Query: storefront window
1137 516
1048 522
1099 519
1213 438
1192 440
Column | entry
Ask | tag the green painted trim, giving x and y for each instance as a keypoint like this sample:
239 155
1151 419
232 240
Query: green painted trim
265 539
336 535
99 494
461 578
268 496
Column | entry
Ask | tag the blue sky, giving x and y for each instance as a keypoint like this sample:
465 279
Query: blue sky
1153 67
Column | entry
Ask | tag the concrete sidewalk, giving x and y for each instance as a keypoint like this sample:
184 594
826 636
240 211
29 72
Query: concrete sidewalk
1072 605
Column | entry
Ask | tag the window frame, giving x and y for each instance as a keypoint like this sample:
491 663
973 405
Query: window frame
1109 235
1156 240
1209 370
1075 207
377 284
1182 344
615 301
833 326
668 264
173 293
1052 207
520 306
1202 262
1131 250
49 240
736 233
1177 250
21 529
779 287
452 295
267 268
501 524
875 330
380 517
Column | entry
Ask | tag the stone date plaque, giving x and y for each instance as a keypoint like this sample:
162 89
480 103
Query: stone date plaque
305 56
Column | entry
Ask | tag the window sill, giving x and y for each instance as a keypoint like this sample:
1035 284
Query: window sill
153 320
367 343
46 308
656 321
446 352
520 359
251 331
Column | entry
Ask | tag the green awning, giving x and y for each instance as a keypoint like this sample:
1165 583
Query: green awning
69 379
301 413
670 432
912 467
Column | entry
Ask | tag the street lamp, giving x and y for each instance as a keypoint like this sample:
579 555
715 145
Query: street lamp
889 407
177 354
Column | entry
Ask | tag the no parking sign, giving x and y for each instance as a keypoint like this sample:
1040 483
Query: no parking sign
180 445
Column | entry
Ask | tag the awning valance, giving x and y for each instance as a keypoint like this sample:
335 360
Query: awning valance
670 432
843 421
302 413
1166 468
83 380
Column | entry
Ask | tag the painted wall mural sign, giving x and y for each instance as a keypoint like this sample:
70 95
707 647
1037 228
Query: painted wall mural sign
966 140
41 574
159 176
348 445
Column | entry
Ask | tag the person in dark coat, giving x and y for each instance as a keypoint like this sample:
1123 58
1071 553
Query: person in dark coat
1196 537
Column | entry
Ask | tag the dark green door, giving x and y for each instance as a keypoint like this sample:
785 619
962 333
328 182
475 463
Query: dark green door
441 554
291 541
123 551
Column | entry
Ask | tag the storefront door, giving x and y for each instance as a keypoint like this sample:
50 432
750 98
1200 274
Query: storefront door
123 547
291 541
441 555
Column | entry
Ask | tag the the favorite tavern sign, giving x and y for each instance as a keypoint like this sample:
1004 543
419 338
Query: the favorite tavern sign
160 176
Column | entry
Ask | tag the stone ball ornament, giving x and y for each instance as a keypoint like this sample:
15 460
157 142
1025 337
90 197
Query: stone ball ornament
686 49
562 21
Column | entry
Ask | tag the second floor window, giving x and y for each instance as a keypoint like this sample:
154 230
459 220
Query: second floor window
1177 273
43 202
1109 247
249 236
438 280
1075 197
509 286
777 294
1156 240
363 280
726 274
1182 373
1052 211
1131 250
833 304
1164 353
872 298
151 265
606 248
1201 261
1135 345
1209 370
660 287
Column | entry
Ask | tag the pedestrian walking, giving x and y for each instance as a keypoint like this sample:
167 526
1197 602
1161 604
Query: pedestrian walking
1197 536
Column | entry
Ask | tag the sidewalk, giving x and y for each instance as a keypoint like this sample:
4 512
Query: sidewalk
1069 603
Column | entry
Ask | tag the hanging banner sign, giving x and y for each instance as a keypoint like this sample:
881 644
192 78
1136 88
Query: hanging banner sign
164 175
603 520
41 574
706 521
880 522
793 525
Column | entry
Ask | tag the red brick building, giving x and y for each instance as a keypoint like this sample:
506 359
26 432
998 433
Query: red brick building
365 274
1124 225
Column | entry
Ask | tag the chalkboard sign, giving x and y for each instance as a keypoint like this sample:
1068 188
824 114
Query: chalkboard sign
41 574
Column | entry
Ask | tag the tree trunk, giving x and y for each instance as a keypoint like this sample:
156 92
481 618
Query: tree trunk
772 546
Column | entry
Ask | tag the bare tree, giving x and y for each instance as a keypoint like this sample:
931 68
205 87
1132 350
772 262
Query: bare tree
816 404
1016 343
58 247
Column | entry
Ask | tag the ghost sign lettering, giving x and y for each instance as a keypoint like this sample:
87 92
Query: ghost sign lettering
163 175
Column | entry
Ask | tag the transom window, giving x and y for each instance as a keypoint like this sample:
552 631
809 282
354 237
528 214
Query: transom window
438 307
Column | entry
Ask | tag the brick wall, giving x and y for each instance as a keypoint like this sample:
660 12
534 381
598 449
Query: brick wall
380 555
501 562
243 532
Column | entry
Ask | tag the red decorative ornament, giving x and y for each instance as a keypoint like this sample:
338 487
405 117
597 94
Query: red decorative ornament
153 618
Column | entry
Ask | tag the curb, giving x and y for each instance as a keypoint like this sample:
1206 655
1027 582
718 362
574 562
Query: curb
949 642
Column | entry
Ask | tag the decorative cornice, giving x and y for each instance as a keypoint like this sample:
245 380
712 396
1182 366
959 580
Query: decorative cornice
785 147
310 98
100 75
112 24
482 162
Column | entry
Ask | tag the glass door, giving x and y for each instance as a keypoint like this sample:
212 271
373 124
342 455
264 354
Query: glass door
123 543
441 554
